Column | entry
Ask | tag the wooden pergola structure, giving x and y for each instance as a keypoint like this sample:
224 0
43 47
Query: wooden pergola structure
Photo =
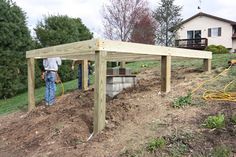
102 51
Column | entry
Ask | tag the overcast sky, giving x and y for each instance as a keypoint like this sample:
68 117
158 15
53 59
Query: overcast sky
90 10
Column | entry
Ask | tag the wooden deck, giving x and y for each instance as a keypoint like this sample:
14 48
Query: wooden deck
196 44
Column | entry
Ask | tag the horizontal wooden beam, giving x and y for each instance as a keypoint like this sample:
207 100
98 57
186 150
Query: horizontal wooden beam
115 57
76 48
131 57
116 51
90 57
127 47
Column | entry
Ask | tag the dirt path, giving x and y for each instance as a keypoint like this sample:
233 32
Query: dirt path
133 118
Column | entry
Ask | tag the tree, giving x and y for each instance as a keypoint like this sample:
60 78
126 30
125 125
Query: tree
168 18
144 30
15 39
55 30
120 16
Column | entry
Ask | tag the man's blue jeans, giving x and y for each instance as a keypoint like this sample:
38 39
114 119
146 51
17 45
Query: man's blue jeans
50 78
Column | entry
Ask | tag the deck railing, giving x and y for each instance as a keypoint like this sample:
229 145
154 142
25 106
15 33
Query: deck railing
199 44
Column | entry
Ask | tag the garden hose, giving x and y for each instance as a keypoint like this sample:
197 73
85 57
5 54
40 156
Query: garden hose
58 80
217 94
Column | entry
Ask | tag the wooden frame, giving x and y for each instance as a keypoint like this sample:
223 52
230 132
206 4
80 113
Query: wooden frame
102 51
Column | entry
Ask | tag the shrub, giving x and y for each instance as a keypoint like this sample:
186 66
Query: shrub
182 101
215 122
217 49
155 144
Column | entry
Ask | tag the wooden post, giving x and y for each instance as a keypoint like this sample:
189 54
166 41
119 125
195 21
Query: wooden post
100 91
84 74
207 65
165 73
122 64
31 84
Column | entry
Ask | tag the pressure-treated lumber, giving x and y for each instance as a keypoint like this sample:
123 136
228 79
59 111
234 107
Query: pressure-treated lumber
112 56
207 65
135 48
89 46
130 57
81 48
31 84
165 73
100 91
84 74
122 64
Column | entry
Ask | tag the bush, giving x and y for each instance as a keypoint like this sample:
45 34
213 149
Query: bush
215 122
217 49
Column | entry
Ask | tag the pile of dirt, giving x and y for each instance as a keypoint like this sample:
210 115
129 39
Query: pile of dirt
132 118
68 123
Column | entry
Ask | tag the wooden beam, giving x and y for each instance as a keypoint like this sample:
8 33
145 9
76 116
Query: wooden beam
135 48
122 64
207 65
31 84
131 57
79 48
100 91
84 74
90 57
165 73
86 49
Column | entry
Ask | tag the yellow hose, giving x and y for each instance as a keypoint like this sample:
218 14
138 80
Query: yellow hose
217 94
62 86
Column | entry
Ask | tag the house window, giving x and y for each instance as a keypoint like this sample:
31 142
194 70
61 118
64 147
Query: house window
214 32
194 34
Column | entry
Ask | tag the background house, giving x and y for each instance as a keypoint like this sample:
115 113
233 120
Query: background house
203 29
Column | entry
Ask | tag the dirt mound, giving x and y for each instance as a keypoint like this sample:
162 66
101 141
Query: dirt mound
67 123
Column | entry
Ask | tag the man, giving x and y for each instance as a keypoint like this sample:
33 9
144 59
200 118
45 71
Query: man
79 62
51 67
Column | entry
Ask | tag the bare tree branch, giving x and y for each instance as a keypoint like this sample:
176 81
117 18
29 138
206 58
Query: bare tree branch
120 16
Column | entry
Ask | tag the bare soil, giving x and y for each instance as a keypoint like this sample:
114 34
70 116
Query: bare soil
135 116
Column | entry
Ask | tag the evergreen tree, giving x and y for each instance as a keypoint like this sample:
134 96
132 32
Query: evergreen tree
15 39
55 30
168 18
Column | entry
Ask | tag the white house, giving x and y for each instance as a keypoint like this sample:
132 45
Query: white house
203 29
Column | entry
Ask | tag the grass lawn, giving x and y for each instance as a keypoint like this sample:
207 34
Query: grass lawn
19 102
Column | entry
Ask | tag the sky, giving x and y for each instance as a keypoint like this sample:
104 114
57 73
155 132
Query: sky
90 10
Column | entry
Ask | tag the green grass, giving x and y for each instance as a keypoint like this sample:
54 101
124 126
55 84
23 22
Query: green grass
139 66
20 101
218 61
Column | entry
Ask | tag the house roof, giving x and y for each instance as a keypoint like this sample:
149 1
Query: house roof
210 16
